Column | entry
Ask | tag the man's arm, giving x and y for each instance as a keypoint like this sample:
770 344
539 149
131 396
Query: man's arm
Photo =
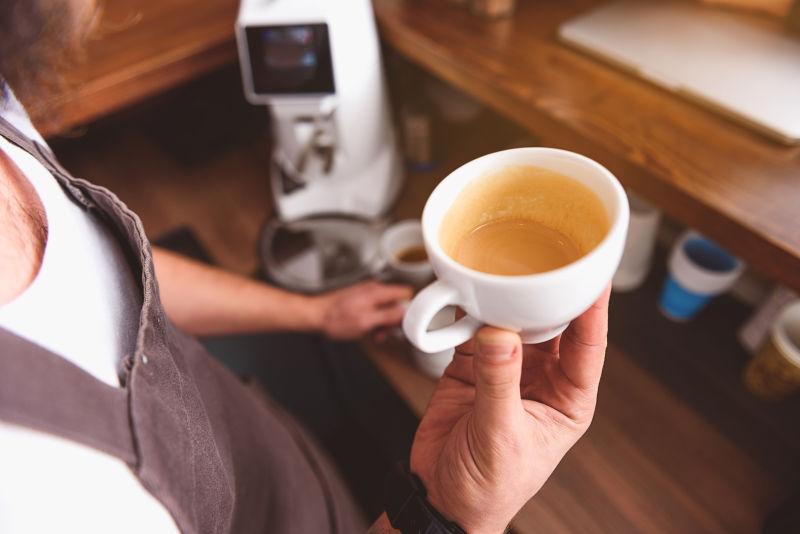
205 300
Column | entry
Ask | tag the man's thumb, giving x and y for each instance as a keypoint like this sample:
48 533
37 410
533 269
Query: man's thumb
498 366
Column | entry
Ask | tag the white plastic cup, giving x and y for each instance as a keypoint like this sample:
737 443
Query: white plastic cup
638 253
433 364
699 270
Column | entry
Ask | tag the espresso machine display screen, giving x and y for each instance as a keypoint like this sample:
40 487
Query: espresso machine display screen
291 59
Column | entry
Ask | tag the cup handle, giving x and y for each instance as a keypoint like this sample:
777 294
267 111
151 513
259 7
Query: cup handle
420 313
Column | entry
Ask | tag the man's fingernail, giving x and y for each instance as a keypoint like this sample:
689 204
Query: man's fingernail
496 351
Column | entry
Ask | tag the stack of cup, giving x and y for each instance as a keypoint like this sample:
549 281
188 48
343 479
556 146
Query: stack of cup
699 269
433 364
638 253
774 372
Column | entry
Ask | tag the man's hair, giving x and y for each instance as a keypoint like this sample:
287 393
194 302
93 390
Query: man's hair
36 40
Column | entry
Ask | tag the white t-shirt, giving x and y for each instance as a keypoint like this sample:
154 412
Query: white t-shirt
84 306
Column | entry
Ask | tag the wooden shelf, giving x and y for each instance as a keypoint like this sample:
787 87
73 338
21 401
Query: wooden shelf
706 171
141 49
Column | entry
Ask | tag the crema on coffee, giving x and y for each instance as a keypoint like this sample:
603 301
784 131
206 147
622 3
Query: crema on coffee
522 220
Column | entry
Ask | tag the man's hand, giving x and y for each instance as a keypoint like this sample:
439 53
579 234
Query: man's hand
354 311
207 301
503 416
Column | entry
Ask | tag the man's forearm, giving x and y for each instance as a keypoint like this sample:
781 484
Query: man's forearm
205 300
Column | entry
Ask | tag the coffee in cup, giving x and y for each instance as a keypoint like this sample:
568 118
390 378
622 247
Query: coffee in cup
522 220
412 254
524 239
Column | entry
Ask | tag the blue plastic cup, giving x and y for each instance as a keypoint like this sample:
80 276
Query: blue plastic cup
699 269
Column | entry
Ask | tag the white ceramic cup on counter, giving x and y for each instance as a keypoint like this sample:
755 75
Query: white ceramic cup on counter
538 306
398 239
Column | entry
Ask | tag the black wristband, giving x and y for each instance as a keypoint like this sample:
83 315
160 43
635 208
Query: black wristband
404 498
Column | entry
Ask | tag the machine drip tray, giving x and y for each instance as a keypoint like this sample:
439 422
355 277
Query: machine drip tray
321 252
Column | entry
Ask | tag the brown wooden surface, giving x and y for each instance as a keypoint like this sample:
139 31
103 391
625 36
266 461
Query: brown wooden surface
648 464
141 48
736 186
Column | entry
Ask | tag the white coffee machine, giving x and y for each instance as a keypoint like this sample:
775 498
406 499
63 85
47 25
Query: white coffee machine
316 64
335 167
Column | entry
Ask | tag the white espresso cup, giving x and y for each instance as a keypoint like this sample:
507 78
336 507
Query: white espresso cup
537 306
399 237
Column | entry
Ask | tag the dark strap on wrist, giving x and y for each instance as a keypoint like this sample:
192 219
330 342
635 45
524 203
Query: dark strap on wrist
407 508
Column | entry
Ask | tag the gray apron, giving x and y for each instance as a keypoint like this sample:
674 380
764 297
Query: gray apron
216 453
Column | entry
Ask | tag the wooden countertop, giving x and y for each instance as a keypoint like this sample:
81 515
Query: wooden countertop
141 49
710 173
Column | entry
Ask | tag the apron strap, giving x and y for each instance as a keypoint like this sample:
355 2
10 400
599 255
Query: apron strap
44 156
45 392
10 132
